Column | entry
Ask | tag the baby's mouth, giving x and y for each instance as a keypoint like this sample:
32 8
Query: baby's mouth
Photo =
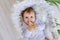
31 23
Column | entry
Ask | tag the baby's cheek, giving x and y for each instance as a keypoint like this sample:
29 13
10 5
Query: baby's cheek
26 21
33 20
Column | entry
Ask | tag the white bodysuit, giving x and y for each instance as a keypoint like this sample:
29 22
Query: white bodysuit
37 34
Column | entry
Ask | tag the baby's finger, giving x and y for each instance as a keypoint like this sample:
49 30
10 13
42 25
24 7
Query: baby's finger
33 23
30 23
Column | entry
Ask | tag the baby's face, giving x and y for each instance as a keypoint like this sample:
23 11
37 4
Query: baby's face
29 17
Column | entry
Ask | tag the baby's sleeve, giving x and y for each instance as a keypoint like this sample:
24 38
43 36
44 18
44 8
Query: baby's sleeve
27 33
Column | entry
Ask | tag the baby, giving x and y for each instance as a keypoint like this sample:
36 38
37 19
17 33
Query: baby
33 27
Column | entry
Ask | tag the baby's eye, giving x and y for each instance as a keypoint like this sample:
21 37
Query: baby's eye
26 17
31 16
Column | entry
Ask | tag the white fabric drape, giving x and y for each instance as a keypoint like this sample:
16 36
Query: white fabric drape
7 31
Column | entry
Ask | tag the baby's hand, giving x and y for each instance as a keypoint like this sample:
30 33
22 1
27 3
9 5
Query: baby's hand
32 26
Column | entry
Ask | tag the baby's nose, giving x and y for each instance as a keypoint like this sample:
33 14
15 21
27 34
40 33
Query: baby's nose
29 20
